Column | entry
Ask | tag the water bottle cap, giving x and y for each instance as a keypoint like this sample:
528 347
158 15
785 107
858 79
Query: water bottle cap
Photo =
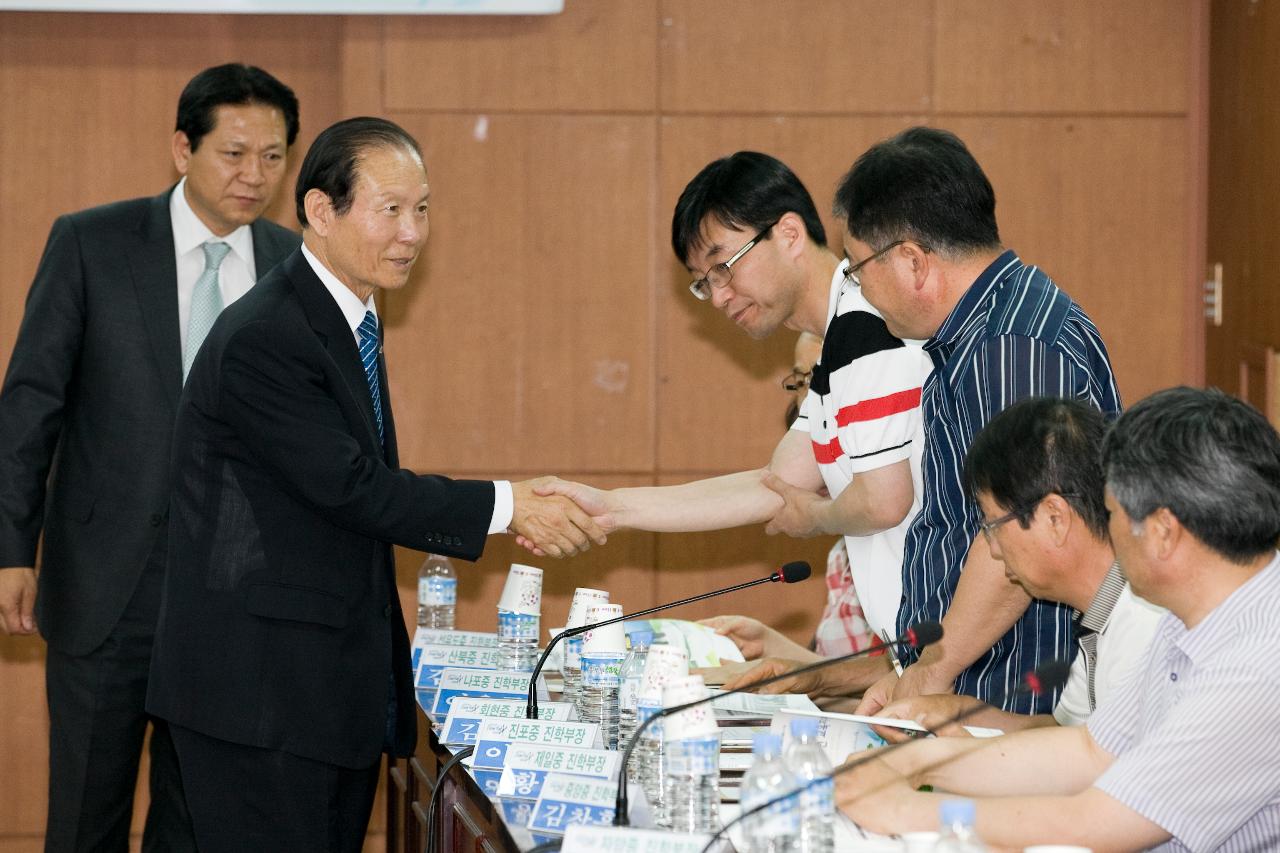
804 727
766 744
640 639
957 811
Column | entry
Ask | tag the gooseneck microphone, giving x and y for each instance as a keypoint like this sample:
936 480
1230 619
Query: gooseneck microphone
793 572
1043 679
918 636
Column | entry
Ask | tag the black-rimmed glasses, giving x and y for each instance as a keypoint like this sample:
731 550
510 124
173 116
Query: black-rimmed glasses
851 274
722 273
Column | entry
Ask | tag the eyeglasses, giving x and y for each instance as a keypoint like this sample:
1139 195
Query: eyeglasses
797 380
721 274
988 528
851 274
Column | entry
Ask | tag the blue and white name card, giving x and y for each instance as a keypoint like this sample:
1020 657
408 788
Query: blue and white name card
568 800
495 736
527 767
436 659
584 838
437 637
465 715
481 684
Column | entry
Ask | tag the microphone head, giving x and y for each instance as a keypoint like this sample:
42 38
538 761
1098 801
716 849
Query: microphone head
1048 677
923 634
796 571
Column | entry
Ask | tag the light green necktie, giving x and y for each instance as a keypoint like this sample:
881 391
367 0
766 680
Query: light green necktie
206 303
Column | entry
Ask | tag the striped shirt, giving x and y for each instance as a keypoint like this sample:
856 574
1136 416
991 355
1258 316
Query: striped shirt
1190 730
1013 335
863 413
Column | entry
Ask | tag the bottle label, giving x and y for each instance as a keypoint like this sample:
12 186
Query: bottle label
630 692
819 799
517 626
573 652
780 819
602 670
438 592
695 756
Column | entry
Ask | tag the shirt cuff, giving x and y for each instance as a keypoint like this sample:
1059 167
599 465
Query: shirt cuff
504 506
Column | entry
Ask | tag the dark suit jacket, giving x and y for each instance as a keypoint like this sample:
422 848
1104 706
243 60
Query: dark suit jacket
280 622
96 373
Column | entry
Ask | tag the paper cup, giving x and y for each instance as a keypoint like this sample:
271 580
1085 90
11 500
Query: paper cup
663 665
694 722
611 639
582 599
523 592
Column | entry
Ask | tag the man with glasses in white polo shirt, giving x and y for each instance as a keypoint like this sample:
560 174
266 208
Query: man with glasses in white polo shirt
1185 755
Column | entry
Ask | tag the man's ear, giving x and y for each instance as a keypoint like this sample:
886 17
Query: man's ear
919 263
181 152
1163 533
320 213
1058 516
791 234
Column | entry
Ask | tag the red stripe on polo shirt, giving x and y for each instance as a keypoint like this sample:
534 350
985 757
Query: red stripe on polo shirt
880 407
829 452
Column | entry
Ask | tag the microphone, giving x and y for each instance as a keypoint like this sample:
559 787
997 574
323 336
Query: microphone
792 572
1045 678
918 636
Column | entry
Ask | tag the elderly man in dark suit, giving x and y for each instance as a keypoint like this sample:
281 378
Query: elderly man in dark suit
122 299
282 657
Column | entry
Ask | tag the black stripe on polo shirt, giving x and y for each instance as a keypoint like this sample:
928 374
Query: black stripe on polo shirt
878 452
850 337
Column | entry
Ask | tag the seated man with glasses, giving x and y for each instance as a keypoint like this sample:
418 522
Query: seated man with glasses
1036 473
748 230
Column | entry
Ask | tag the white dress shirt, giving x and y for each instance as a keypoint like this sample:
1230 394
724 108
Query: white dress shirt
354 310
237 273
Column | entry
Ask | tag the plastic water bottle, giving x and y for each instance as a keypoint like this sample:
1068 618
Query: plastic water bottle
777 828
647 761
603 650
571 668
806 758
693 783
632 673
956 832
437 593
517 641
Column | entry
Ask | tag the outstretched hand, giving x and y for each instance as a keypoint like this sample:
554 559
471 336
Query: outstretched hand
800 508
549 524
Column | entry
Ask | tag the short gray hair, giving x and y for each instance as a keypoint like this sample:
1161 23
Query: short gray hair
1210 459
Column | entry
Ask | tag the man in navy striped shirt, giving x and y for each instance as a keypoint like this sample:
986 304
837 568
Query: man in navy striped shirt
923 243
1185 755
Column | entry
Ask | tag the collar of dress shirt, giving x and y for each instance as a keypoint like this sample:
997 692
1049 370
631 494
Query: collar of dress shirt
1226 622
974 300
350 305
189 232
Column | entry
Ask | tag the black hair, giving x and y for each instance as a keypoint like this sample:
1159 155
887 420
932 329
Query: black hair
235 84
1210 459
331 163
748 191
921 185
1037 447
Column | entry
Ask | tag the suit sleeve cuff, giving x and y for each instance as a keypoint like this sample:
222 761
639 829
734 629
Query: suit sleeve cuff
503 506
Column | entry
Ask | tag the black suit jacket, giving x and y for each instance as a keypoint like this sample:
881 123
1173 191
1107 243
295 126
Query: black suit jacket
95 375
281 622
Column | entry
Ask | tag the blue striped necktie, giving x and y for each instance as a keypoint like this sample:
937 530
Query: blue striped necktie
368 331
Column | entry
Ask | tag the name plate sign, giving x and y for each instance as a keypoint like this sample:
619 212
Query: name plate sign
584 838
436 637
527 767
436 659
495 736
465 715
481 684
568 800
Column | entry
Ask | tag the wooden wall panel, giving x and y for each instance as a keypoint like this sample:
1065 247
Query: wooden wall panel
1099 203
523 342
701 354
24 738
816 56
1062 56
595 56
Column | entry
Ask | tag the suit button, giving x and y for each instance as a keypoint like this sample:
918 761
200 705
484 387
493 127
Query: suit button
157 520
386 612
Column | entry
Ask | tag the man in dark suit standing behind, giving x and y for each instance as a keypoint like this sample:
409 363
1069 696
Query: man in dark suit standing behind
121 301
282 657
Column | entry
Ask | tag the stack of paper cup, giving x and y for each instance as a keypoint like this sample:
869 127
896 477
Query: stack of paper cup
664 665
519 609
693 722
572 667
603 650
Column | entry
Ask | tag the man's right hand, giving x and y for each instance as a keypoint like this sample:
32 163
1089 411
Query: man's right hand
756 639
18 600
550 524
